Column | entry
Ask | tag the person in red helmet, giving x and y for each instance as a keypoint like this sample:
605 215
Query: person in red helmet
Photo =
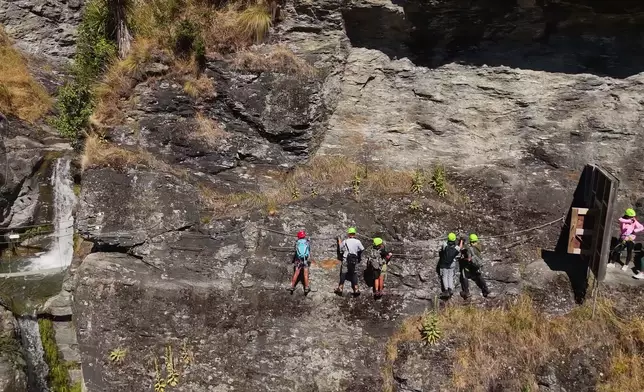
301 261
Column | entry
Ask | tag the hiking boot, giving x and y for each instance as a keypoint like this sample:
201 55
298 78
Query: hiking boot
625 267
338 292
445 295
291 290
639 275
356 293
450 292
307 290
465 295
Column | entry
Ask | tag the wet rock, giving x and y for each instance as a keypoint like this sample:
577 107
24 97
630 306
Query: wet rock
12 375
26 153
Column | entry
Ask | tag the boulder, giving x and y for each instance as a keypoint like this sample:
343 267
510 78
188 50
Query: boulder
122 209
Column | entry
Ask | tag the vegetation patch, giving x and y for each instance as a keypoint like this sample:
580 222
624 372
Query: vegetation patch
322 175
95 49
209 131
101 153
512 343
20 94
58 377
276 58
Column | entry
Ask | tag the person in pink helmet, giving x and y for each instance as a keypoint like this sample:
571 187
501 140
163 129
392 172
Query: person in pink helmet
628 227
301 261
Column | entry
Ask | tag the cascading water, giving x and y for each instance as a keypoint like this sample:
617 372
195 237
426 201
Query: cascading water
59 255
37 369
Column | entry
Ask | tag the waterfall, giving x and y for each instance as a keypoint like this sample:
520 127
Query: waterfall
37 369
59 255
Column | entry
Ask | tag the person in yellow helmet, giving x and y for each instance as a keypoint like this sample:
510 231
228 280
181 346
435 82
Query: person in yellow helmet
470 265
447 258
378 258
350 250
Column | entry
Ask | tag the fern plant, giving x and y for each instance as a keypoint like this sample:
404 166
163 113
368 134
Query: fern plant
186 354
418 181
355 184
430 331
439 181
159 382
118 355
173 375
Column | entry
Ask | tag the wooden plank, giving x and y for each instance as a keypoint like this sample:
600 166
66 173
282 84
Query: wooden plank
573 229
581 211
584 232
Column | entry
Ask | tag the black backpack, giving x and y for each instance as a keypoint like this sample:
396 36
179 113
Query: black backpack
448 256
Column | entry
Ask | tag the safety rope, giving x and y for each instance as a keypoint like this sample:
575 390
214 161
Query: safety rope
30 226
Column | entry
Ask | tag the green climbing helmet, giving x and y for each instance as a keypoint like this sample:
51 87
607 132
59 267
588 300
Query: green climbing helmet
351 230
630 213
451 237
474 238
377 241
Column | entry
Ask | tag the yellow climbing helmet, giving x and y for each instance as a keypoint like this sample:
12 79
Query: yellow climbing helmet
474 238
377 241
630 213
451 237
351 230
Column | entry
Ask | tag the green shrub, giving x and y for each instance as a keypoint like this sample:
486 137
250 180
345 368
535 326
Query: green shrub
199 48
186 36
75 104
95 46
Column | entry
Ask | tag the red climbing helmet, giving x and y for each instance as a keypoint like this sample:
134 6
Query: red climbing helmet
301 234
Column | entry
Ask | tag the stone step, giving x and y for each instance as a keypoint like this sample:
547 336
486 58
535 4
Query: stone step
66 340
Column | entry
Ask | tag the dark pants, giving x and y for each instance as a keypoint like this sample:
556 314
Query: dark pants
629 245
349 272
477 277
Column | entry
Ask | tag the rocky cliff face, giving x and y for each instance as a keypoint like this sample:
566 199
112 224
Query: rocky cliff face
44 28
512 97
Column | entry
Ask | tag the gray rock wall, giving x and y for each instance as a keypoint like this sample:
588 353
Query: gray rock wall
44 28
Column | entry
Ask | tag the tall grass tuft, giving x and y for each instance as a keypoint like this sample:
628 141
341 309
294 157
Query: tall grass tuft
254 22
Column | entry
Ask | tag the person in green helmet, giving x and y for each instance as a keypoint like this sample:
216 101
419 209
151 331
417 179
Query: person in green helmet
470 265
351 252
447 264
629 226
377 261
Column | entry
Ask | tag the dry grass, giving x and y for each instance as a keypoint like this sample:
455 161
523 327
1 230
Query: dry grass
209 131
273 59
512 343
20 94
100 153
229 28
322 175
254 22
201 86
118 82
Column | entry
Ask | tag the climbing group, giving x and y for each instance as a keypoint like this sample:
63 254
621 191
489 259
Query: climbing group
468 258
350 252
629 226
